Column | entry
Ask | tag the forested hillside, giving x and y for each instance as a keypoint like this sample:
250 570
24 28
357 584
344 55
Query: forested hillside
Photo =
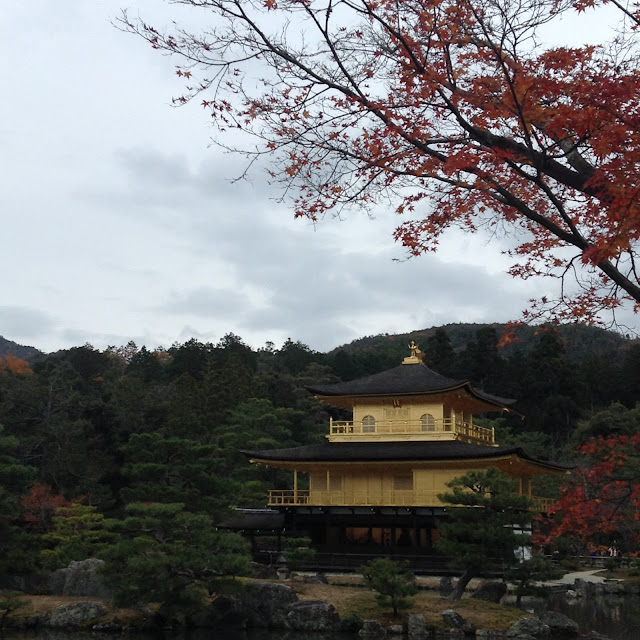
128 425
10 348
579 340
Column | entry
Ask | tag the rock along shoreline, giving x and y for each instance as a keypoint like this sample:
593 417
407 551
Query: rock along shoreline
273 605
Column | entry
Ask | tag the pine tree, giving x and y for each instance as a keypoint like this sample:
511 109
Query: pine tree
439 354
524 574
79 531
484 524
391 580
172 469
17 548
168 555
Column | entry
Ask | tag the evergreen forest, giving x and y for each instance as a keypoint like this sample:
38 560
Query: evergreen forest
99 446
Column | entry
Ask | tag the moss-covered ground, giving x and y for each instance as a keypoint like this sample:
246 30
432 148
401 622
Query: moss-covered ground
362 602
347 599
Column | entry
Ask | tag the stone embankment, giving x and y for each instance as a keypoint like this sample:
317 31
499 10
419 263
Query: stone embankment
548 626
581 588
276 606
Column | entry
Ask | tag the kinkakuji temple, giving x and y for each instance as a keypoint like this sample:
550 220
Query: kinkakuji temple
373 486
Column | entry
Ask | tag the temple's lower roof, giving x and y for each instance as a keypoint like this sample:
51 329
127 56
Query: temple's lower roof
393 451
254 519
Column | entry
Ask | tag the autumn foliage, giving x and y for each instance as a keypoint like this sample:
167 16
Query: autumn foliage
452 111
602 499
40 506
13 364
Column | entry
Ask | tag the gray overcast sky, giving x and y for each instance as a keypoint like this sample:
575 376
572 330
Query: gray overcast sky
120 222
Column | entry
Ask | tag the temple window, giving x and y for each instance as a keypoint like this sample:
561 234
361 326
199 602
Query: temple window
427 422
368 424
396 413
335 483
403 483
318 482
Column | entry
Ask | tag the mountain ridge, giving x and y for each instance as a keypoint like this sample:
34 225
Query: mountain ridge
11 348
580 340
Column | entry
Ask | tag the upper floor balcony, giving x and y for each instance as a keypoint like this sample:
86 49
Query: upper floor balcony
417 430
303 497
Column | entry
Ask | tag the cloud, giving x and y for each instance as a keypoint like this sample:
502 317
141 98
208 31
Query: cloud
24 322
135 228
207 302
266 275
189 332
70 337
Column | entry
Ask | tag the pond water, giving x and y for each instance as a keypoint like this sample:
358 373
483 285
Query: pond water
617 617
198 634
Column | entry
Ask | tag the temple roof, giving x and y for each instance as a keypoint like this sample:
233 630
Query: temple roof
394 452
405 379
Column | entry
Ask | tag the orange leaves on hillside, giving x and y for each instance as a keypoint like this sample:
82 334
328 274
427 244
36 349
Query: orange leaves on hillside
13 364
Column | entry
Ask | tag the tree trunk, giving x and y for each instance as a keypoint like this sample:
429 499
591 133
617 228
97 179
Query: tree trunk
461 585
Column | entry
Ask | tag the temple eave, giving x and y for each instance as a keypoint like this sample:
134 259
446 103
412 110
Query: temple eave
509 463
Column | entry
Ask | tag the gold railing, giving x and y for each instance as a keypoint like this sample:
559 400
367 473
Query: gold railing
543 505
288 496
411 427
354 498
394 498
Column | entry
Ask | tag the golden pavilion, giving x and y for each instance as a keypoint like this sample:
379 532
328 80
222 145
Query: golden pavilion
374 484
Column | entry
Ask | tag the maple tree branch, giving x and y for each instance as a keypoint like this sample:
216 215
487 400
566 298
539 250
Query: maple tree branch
501 61
573 156
444 100
633 266
620 279
396 33
581 241
633 16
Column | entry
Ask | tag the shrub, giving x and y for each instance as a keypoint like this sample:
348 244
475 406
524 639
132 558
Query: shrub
392 581
297 552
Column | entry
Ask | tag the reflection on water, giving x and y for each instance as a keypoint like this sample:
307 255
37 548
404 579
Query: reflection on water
615 616
195 634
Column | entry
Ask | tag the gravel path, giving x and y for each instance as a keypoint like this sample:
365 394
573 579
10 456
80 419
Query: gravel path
570 578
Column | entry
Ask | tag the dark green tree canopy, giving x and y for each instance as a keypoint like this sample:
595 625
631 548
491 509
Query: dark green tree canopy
487 523
392 581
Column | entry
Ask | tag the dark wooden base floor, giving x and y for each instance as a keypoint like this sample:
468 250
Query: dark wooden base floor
347 538
340 562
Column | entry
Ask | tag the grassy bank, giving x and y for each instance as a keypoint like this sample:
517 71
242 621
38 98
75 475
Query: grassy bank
32 605
362 602
347 599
